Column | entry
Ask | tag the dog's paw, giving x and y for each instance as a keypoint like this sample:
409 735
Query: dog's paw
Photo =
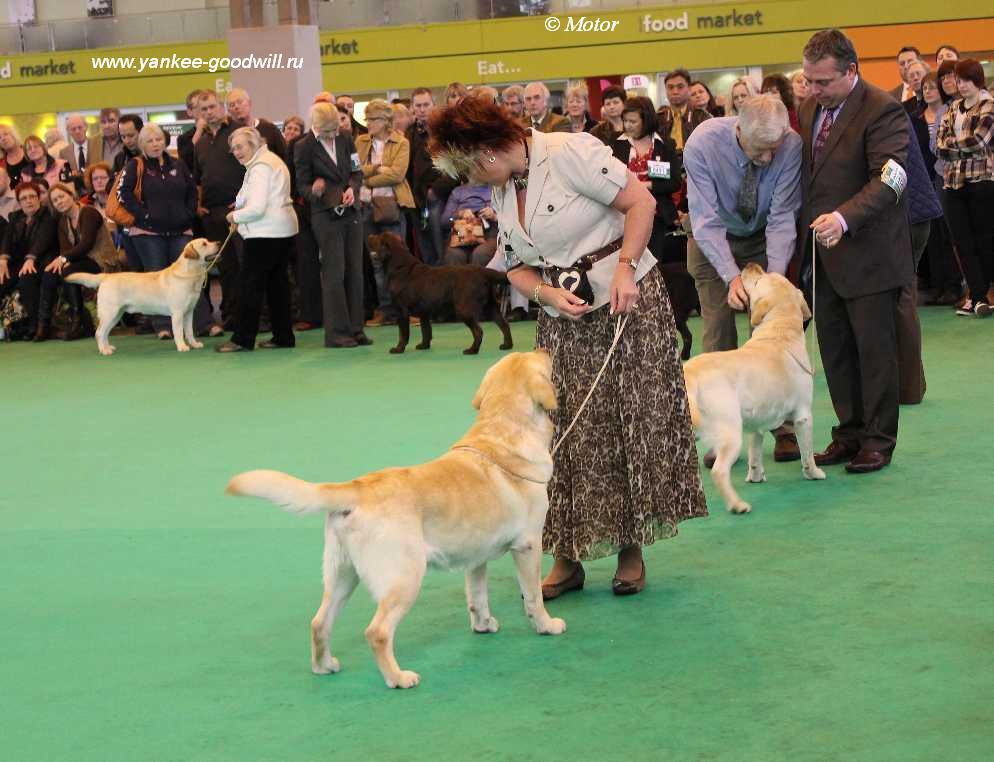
552 626
422 346
756 476
505 347
396 350
329 665
814 473
404 679
483 626
197 344
740 507
182 348
471 351
108 350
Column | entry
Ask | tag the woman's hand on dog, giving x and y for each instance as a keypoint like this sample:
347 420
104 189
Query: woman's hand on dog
624 290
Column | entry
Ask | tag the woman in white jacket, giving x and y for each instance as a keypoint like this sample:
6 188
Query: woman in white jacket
266 221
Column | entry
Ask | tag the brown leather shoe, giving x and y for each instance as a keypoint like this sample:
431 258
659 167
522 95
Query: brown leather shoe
868 461
573 582
629 587
786 449
835 453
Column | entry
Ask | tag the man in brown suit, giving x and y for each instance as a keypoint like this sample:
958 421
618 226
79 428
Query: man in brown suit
855 151
538 115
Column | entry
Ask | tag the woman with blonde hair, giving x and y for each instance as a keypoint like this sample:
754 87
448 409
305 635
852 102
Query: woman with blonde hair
40 164
455 92
12 153
741 90
384 155
578 109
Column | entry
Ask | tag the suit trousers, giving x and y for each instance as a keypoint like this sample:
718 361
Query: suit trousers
264 273
859 352
909 330
308 273
216 229
719 319
340 242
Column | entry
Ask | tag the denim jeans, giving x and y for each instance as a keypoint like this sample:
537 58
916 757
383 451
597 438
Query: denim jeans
379 272
157 252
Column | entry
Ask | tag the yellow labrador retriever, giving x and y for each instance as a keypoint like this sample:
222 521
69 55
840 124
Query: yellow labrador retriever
484 497
173 291
766 381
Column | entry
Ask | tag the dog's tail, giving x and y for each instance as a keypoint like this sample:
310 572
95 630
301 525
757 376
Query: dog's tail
496 276
90 280
293 494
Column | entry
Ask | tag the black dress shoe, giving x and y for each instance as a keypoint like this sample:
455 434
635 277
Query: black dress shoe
230 346
274 345
629 587
835 453
346 343
786 449
573 582
868 461
362 340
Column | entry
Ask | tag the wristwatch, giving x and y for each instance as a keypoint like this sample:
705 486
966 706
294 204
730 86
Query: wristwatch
633 263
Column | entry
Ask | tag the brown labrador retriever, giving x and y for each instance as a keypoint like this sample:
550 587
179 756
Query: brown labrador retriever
468 291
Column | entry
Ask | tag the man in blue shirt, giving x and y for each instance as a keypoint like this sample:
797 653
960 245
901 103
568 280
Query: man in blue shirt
744 193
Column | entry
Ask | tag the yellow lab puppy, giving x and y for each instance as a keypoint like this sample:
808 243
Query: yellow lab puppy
766 381
482 498
173 291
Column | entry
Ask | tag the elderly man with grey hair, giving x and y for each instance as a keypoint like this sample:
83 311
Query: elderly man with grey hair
538 115
744 194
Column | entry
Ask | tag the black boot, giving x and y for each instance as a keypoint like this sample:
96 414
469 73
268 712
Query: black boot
80 321
46 306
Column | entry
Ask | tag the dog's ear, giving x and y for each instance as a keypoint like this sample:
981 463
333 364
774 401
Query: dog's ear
802 303
758 310
482 391
541 389
190 252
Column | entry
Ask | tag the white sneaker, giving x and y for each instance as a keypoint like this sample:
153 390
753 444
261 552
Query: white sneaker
974 309
982 309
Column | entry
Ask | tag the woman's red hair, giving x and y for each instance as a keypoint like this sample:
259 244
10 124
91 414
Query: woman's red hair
472 124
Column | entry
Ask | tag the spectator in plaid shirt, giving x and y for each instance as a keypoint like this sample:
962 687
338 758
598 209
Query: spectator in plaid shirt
965 141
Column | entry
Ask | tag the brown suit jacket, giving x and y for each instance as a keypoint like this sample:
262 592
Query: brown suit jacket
551 123
94 152
875 254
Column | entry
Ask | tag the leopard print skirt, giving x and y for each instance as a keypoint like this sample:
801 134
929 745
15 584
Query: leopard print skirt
627 473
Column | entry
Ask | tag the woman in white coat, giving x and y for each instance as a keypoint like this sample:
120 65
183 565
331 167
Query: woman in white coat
266 221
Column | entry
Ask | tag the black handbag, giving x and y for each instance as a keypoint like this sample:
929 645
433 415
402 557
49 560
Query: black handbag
573 279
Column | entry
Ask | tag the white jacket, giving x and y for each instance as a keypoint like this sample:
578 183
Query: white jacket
263 208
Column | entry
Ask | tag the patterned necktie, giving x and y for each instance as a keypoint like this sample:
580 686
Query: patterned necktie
822 137
748 198
82 159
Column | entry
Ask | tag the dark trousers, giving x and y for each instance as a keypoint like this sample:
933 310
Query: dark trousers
216 229
908 328
859 353
264 274
40 290
340 242
308 273
970 214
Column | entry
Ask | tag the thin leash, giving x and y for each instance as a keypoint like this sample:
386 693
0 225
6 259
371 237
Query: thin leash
619 326
217 257
810 340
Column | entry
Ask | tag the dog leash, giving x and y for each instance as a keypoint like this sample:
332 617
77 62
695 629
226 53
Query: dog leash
619 326
217 257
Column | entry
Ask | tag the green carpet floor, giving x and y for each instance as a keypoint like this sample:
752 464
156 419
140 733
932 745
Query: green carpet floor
146 616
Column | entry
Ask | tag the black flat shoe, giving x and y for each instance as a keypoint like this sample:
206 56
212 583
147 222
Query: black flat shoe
568 585
362 340
230 346
274 345
629 587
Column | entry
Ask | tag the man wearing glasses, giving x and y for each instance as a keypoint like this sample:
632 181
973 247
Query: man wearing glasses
853 178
